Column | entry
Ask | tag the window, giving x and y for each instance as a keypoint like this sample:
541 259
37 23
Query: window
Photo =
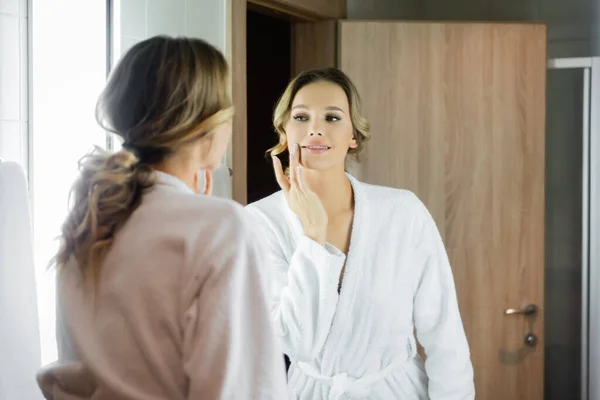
68 58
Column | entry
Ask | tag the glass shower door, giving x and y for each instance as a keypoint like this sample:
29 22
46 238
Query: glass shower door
569 267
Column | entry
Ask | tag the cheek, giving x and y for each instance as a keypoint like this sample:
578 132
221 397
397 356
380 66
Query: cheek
343 134
294 132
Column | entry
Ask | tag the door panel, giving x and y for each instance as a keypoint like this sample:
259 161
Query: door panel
239 140
457 114
313 45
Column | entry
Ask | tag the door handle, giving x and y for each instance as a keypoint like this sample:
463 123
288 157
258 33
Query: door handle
528 310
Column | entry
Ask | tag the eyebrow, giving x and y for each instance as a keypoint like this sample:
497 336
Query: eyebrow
329 108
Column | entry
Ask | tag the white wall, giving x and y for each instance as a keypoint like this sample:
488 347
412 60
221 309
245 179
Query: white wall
13 81
205 19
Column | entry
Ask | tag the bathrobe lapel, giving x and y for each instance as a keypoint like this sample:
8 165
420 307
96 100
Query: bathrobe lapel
354 267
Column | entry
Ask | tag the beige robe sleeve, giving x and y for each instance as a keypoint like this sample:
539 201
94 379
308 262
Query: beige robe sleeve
229 348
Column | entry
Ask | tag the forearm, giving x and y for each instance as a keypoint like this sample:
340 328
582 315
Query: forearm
306 302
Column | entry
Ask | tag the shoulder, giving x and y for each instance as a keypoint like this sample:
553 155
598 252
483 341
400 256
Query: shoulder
269 208
274 219
217 234
195 214
402 206
209 236
390 197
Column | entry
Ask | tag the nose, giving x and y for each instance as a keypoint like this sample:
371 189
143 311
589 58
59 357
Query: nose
316 127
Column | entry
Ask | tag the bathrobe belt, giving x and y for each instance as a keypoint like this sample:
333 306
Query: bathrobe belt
357 388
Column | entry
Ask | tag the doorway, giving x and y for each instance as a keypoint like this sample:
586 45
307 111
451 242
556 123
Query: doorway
269 69
269 56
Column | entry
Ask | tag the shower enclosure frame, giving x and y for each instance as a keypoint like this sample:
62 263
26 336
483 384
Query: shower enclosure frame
590 229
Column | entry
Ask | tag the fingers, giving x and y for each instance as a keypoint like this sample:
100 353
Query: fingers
208 183
282 180
300 179
294 162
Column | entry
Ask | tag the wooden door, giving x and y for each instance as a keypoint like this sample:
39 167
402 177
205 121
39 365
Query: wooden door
457 114
314 45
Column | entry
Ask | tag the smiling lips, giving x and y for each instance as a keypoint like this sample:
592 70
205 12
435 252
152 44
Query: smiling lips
315 148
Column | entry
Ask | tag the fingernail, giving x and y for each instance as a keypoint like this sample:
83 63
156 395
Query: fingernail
298 170
293 149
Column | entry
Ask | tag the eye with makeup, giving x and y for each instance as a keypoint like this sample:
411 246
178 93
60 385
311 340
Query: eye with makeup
304 118
300 117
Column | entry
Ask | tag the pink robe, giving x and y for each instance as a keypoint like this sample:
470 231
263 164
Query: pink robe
181 311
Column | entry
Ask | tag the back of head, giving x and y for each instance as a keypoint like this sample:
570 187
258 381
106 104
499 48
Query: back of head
164 94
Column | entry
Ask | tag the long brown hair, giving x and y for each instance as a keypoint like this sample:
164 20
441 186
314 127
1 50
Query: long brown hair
333 75
164 94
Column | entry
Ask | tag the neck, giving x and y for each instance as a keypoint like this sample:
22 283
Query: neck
333 188
183 171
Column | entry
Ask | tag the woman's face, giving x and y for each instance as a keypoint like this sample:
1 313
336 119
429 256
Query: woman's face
321 124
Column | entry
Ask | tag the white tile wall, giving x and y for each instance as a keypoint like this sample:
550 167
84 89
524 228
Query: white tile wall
9 7
14 7
141 19
13 81
127 43
24 140
9 67
133 12
10 140
23 69
205 19
165 17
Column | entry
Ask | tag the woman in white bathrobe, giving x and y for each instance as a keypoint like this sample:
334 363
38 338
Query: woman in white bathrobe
159 292
357 268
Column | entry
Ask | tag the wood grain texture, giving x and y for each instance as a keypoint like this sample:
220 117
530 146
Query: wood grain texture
311 10
314 45
238 78
457 112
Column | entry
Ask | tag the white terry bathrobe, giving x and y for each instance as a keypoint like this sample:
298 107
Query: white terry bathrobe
360 344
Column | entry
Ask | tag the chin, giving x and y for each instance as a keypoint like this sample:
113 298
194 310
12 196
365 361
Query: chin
321 165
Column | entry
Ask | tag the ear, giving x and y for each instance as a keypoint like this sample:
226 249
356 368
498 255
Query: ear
353 144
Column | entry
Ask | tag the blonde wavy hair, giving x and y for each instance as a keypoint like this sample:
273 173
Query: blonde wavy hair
283 109
164 94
